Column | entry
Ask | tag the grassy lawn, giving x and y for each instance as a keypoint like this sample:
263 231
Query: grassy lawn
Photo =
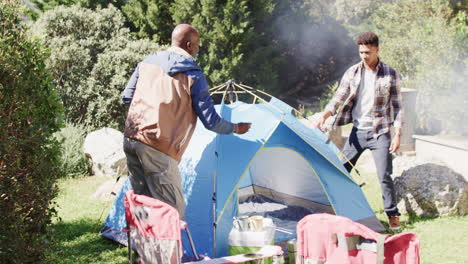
76 235
443 240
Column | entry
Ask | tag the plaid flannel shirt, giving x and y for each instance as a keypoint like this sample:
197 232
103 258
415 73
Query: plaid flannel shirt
387 109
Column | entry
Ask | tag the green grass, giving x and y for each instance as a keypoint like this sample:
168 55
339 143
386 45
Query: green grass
443 240
76 238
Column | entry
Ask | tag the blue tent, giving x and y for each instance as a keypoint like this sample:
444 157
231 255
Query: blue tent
279 158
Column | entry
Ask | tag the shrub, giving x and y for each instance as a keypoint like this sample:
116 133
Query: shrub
29 110
72 158
106 81
44 5
92 58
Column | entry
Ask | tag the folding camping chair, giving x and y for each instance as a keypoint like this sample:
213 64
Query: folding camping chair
155 228
325 238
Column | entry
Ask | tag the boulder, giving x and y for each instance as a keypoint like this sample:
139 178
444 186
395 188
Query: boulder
432 190
104 150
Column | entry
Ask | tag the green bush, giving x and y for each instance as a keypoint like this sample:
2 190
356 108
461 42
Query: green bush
30 110
72 158
106 81
92 58
45 5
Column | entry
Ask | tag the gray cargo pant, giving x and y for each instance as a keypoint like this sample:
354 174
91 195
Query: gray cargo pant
360 140
154 174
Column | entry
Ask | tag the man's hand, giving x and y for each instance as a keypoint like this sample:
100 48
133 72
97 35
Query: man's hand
395 145
323 118
241 128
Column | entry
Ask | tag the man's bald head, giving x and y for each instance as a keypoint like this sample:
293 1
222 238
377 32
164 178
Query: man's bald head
186 37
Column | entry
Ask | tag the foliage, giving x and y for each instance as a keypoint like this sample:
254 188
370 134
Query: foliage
150 19
354 11
72 159
92 57
30 110
293 50
108 77
40 6
419 41
460 21
224 34
277 46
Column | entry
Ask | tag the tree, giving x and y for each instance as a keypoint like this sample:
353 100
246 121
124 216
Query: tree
39 6
238 41
92 57
355 11
30 113
419 39
223 34
279 46
150 19
288 48
316 48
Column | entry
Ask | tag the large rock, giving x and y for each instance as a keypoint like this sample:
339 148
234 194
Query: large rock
432 190
104 150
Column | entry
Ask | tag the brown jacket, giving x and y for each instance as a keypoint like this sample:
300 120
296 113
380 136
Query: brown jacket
161 113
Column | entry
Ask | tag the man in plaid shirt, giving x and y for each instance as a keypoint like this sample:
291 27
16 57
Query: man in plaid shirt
369 97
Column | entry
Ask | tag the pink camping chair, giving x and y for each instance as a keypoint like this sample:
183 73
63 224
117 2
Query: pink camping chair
335 239
154 227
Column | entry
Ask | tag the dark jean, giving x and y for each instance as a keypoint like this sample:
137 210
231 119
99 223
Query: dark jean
360 140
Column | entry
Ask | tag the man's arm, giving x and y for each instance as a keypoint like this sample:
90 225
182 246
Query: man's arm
201 103
395 99
129 91
338 99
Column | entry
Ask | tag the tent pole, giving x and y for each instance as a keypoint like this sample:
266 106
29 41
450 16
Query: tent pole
217 87
214 214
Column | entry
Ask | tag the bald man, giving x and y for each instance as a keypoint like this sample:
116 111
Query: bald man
166 93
